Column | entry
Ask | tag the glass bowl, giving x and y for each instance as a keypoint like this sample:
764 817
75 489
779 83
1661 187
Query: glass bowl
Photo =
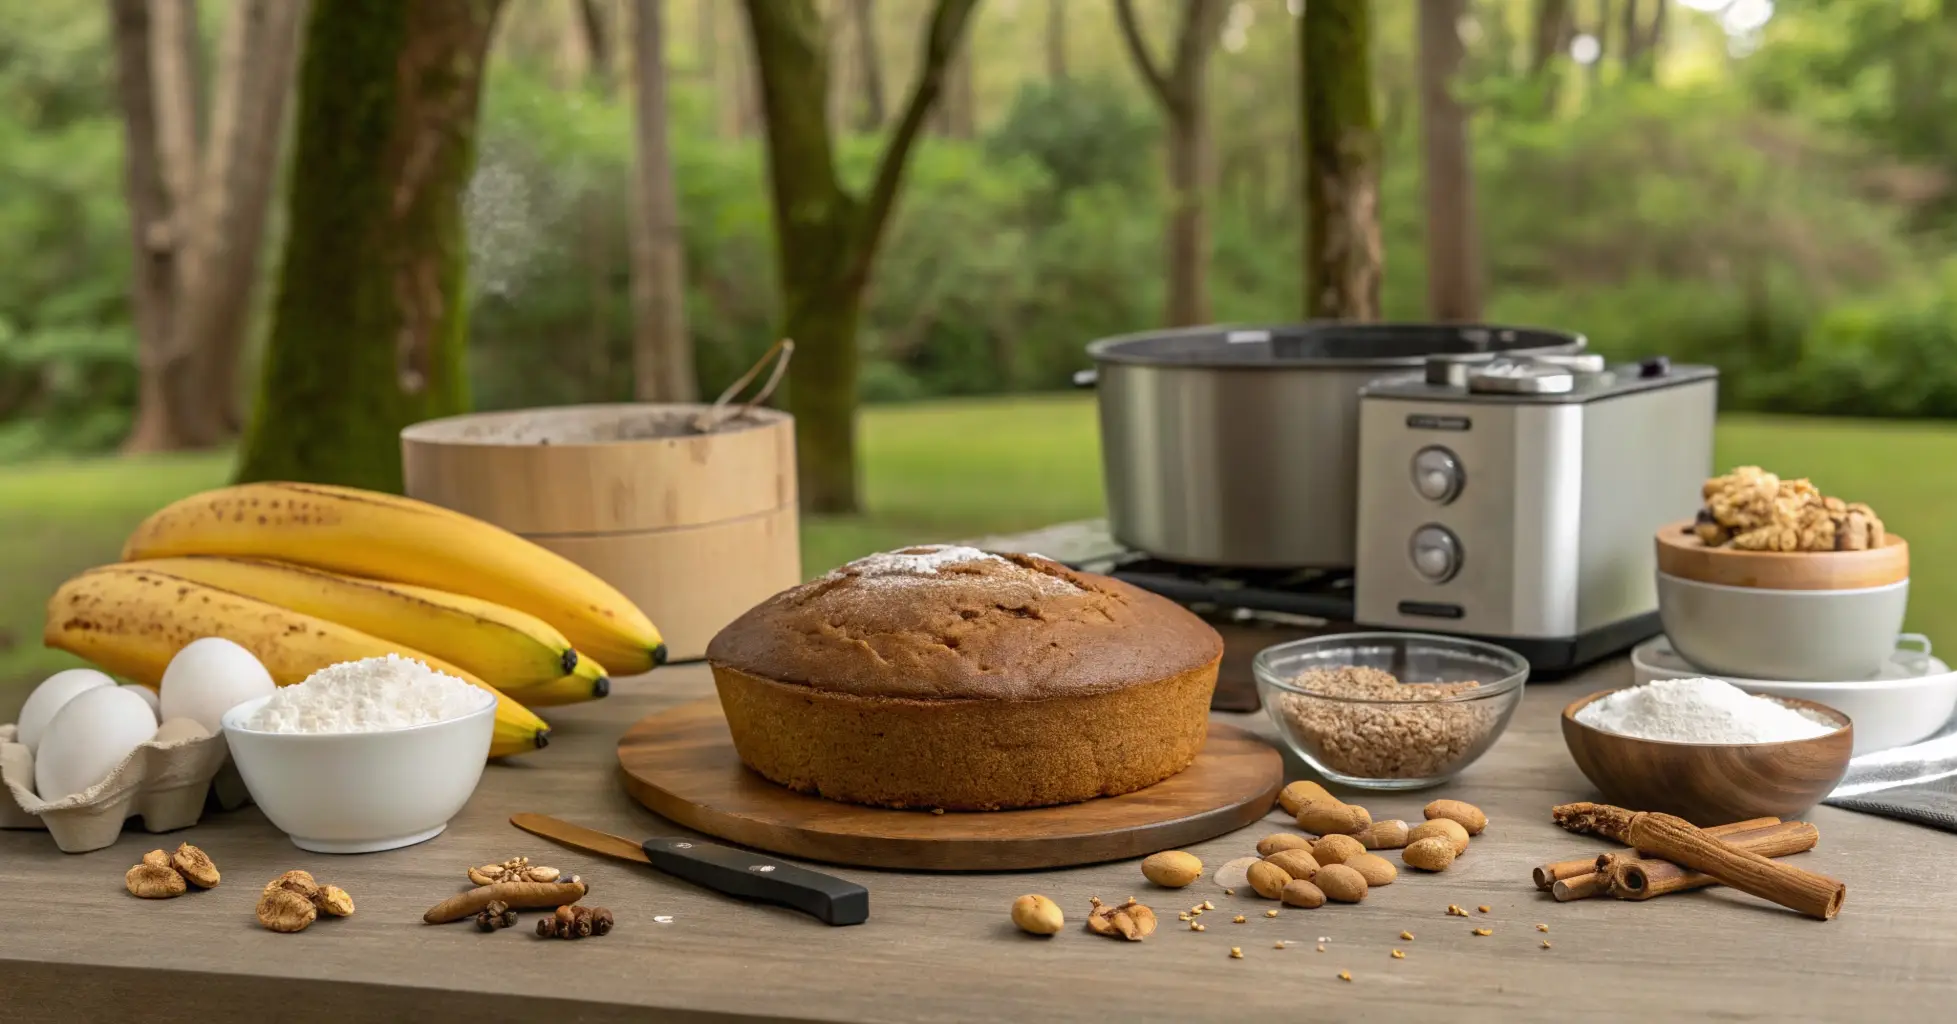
1369 739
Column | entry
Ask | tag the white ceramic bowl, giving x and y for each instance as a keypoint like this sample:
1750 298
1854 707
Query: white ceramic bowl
361 792
1912 697
1796 635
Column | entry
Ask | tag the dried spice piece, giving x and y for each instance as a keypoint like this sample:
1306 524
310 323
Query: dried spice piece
195 866
152 882
494 916
519 895
1130 920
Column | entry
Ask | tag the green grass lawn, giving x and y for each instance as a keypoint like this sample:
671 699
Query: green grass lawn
951 469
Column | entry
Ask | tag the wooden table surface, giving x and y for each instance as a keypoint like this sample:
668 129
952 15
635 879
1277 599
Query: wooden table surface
940 947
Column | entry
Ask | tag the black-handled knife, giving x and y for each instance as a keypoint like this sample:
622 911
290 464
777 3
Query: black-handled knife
749 876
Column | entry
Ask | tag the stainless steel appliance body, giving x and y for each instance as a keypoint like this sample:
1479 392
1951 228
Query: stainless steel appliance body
1238 447
1521 507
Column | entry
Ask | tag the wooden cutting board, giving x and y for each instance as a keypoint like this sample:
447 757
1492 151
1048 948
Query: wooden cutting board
681 764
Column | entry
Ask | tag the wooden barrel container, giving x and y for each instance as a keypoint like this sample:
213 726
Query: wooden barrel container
696 528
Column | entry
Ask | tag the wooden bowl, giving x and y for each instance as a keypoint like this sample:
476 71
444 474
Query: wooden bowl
1681 553
1712 783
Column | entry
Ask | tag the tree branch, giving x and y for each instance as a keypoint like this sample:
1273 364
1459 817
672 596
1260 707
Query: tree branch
1202 23
941 40
1131 33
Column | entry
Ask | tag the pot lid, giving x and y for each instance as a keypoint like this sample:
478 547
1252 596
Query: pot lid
1326 345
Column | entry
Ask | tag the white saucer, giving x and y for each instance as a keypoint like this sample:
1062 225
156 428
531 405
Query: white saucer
1912 697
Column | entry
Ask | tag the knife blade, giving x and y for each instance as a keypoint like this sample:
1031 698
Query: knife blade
724 869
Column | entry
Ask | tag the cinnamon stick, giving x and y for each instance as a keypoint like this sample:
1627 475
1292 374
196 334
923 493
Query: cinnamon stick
1579 887
1641 878
1548 875
1688 846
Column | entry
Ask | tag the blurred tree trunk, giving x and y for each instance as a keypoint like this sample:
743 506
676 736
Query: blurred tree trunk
662 350
1602 34
151 273
840 44
956 118
747 91
826 238
1342 155
1637 43
369 323
1179 90
1056 41
1551 38
209 228
869 57
594 38
1453 246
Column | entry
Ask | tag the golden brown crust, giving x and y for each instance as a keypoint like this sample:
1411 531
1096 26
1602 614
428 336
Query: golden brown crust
967 755
936 623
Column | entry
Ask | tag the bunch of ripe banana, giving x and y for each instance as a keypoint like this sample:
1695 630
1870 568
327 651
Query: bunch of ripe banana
307 575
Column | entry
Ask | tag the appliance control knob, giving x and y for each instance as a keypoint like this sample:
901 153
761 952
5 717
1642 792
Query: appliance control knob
1656 366
1436 553
1437 474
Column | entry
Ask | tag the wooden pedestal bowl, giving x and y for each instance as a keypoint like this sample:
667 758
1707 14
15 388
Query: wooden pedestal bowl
1711 784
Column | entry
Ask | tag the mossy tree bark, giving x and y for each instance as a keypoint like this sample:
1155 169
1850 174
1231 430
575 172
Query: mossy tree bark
826 236
1342 155
1179 91
369 322
1453 242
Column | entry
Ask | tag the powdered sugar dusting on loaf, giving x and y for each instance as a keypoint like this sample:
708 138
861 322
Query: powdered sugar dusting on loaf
927 563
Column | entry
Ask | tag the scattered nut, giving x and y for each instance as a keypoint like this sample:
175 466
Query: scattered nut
1268 879
1385 835
1341 883
1334 819
1296 795
1037 915
1277 842
1545 943
157 858
1273 913
1431 854
333 901
1239 919
1336 849
1279 944
1172 868
195 866
1300 893
1296 863
516 869
1483 931
1130 920
1542 927
1446 828
1375 869
1229 892
152 882
1207 905
1406 936
1454 911
300 882
1399 955
1465 814
1321 947
1483 908
283 910
1343 975
1184 916
1196 926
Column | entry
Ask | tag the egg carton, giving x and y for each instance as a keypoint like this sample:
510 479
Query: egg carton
167 784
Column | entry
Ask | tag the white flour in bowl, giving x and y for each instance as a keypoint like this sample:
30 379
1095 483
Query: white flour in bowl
369 695
1700 711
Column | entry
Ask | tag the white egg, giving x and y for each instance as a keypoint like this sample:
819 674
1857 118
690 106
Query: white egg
149 697
177 730
209 677
89 736
48 698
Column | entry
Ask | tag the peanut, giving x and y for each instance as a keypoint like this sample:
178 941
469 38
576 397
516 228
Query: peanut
1446 828
1296 863
1334 819
1279 841
1172 869
1467 815
1300 893
1295 796
1268 879
1375 869
1037 915
1385 835
1336 849
1341 883
1434 853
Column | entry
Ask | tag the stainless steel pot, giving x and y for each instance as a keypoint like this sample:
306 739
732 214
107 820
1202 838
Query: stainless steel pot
1238 446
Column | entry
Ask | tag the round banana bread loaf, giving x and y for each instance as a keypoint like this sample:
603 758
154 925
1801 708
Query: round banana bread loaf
953 678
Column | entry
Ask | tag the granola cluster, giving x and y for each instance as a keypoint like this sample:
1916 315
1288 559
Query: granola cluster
1751 509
